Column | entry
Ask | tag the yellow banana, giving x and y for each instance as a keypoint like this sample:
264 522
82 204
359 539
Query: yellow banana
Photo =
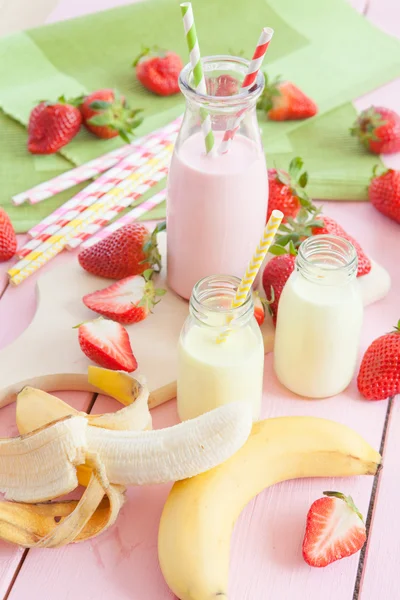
199 515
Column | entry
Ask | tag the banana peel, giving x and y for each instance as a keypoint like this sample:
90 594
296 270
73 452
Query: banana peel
60 447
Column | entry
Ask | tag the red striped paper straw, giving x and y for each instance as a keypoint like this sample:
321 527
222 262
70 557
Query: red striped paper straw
248 81
130 217
96 228
86 171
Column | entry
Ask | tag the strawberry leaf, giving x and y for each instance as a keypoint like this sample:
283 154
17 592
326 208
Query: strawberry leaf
277 250
295 168
303 179
100 105
100 120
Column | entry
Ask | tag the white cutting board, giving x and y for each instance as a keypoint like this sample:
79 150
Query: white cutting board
47 355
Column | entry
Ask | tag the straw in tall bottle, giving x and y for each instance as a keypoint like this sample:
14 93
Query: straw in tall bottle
248 82
199 81
254 266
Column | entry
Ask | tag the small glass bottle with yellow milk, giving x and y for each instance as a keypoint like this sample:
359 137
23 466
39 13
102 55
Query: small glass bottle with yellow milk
212 372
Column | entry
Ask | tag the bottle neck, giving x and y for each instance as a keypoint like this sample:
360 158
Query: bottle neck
211 299
327 260
224 76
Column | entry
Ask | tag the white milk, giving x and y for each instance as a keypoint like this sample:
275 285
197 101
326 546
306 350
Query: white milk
318 327
211 374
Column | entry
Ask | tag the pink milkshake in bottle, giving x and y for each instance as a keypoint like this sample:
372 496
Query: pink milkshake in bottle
217 201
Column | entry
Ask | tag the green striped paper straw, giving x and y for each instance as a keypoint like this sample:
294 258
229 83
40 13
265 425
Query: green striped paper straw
198 75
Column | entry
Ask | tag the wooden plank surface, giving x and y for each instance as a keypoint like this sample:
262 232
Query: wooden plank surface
123 564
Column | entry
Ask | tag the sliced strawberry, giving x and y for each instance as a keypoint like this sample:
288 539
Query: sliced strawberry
335 529
107 344
259 311
127 301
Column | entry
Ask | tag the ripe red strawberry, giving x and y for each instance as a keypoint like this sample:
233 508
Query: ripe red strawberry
52 126
128 251
259 311
283 101
335 529
127 301
275 276
107 344
106 114
286 190
384 193
8 239
158 70
379 375
332 227
378 128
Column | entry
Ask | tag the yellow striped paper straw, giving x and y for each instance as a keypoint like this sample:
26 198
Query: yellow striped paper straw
254 266
56 243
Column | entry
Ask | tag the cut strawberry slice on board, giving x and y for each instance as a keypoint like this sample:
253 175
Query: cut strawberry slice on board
107 344
335 529
127 301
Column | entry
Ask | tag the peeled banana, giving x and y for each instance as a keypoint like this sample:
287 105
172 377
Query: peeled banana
198 517
107 452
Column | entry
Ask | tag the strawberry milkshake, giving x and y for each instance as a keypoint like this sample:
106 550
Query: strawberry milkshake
216 202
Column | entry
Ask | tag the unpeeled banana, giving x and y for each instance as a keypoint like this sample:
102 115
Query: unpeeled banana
199 514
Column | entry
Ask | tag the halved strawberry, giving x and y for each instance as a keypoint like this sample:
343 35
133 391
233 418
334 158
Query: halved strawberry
259 311
335 529
127 301
107 344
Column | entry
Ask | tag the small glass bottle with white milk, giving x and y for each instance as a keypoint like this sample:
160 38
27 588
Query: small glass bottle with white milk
319 319
211 374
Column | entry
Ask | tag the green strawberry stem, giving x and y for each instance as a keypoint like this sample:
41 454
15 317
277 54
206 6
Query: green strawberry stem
150 248
150 293
271 89
348 499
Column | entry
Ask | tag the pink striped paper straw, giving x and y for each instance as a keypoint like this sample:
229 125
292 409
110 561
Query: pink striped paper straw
131 216
161 137
97 226
84 172
81 200
248 81
114 179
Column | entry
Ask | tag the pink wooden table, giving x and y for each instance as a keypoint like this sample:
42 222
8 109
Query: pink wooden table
266 558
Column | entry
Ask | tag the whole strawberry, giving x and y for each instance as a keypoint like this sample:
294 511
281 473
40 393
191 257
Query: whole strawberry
52 126
275 276
379 375
158 70
8 239
330 226
335 529
378 128
284 101
127 301
384 193
286 190
106 114
130 250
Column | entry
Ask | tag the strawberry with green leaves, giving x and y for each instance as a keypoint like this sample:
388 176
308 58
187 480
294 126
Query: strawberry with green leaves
379 375
158 70
378 128
107 114
287 190
128 251
127 301
384 192
335 529
52 125
284 101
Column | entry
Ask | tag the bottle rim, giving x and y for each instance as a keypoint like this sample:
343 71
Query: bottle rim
219 287
238 63
320 256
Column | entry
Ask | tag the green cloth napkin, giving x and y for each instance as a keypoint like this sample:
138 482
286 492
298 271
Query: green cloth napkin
325 47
